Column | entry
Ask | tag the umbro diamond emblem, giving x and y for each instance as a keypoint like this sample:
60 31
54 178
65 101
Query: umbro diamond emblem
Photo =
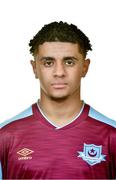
24 154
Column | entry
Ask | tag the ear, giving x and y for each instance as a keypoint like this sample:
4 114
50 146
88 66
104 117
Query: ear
33 64
85 67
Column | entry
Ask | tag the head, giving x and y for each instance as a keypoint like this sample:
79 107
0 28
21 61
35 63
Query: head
59 52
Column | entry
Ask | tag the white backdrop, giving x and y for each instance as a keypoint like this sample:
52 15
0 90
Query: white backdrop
20 20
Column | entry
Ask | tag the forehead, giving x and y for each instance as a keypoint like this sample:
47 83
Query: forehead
59 49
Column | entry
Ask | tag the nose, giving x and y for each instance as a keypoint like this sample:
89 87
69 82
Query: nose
59 70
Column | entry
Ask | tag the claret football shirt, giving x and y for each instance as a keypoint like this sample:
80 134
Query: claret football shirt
33 148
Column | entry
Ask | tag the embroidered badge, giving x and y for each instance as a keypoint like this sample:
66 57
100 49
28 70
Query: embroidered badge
92 154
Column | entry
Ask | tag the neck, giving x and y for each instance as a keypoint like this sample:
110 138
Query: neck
64 109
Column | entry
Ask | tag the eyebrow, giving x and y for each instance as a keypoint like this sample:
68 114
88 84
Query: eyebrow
70 57
52 58
47 58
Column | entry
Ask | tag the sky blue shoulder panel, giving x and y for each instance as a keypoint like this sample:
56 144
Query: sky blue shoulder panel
100 117
0 171
25 113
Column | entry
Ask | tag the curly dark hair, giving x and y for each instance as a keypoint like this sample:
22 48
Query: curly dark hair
60 32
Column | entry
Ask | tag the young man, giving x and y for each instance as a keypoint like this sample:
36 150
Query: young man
60 136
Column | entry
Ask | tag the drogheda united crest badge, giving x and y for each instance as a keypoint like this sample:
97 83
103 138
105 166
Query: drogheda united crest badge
92 154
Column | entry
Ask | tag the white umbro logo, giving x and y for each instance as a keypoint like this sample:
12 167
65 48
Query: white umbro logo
24 154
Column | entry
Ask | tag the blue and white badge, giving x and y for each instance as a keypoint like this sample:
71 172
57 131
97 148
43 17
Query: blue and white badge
92 154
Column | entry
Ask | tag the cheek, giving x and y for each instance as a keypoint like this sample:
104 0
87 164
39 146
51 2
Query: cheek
43 72
80 71
77 73
76 80
44 77
75 77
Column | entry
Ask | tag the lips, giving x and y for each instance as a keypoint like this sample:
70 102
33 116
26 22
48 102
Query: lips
59 85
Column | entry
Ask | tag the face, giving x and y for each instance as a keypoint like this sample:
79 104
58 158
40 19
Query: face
59 67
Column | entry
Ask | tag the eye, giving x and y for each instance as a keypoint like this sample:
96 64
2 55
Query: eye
70 62
48 63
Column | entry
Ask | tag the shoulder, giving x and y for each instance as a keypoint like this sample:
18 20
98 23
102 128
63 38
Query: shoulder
20 116
94 114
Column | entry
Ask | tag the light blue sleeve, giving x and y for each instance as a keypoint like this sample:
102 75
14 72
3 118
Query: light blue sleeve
0 171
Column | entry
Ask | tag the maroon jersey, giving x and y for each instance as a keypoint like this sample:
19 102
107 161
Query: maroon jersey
33 148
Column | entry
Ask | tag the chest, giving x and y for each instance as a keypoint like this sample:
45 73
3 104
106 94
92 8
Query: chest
60 153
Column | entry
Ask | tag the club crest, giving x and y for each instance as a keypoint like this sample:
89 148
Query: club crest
92 154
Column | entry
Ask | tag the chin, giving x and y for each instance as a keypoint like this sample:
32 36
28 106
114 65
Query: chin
58 98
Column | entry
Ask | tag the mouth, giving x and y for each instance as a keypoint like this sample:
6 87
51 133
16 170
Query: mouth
59 85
